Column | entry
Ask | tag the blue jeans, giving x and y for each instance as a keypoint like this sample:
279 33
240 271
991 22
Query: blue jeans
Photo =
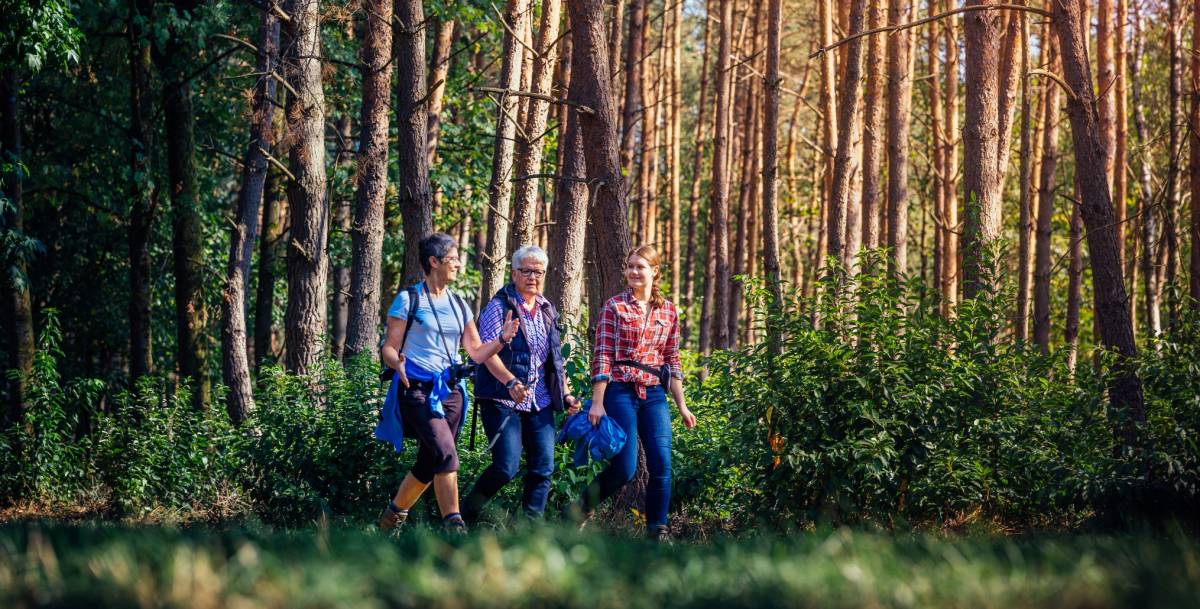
510 431
649 420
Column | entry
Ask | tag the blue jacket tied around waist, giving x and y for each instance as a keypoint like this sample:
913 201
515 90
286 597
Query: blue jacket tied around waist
391 425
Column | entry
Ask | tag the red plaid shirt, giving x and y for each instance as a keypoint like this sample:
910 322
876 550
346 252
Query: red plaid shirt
625 332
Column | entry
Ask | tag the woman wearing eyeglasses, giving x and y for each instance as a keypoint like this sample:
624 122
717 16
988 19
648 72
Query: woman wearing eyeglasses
519 389
636 354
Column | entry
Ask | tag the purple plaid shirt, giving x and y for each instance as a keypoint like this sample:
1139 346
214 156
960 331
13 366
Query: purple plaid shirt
533 324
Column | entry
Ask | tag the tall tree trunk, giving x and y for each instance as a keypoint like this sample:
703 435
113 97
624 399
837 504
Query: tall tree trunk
1116 332
531 147
1121 146
674 160
1074 287
950 241
828 126
770 145
496 250
307 262
1046 194
17 309
416 200
719 204
564 285
698 142
187 217
990 74
851 127
1150 224
899 104
1174 151
437 80
235 365
340 272
937 150
1194 162
366 236
633 82
874 136
1025 222
1106 95
274 210
142 208
591 87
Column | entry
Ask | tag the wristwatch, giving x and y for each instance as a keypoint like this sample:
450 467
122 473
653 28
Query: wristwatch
512 383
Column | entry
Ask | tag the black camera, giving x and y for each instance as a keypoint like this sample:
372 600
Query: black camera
459 372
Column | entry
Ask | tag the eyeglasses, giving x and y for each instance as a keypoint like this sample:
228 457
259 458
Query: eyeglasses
531 273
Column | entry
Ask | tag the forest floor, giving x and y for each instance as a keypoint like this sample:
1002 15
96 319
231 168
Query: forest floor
52 563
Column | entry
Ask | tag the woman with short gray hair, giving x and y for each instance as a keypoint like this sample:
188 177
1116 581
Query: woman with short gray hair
519 389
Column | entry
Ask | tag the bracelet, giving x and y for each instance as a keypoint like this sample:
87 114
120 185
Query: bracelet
511 383
503 343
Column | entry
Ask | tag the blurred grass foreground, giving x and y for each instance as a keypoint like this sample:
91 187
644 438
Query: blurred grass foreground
106 565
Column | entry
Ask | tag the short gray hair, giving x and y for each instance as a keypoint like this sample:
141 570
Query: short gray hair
529 251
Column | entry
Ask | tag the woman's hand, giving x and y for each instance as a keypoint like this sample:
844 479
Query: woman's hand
573 404
518 392
595 413
689 419
400 370
510 327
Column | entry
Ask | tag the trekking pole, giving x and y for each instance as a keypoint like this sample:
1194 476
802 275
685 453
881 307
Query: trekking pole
474 415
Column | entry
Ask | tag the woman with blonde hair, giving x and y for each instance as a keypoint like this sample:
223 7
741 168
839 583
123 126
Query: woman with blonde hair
634 364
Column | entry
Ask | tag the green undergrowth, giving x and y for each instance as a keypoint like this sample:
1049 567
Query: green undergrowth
106 566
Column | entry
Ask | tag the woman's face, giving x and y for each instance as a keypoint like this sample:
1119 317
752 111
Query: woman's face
529 276
447 267
638 272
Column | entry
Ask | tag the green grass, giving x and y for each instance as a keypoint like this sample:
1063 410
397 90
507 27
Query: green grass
55 565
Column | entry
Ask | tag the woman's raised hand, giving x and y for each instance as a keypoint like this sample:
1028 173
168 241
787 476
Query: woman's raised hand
510 327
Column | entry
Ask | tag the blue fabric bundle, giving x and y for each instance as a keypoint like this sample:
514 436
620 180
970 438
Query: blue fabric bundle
391 427
598 443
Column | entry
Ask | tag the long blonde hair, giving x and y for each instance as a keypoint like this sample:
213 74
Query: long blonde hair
650 255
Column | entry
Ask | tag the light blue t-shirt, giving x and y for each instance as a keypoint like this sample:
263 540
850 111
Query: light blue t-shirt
423 346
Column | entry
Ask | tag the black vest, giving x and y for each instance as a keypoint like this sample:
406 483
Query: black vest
516 355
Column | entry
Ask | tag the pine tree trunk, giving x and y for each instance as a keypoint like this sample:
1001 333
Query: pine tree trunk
1194 163
493 258
1074 287
937 149
307 262
674 160
274 210
564 284
851 126
719 203
770 145
366 236
591 87
1046 194
829 127
1121 149
693 216
235 363
412 186
950 215
1145 208
142 207
529 151
1174 152
874 135
340 272
990 74
17 308
443 41
899 103
187 218
1025 222
1116 332
632 105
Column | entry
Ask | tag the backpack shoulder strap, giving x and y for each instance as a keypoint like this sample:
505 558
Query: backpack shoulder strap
414 301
